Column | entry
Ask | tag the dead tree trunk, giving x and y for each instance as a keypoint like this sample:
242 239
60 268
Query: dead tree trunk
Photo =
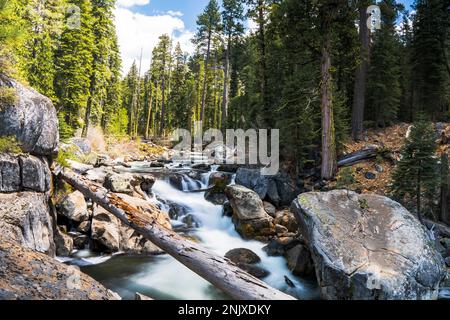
219 271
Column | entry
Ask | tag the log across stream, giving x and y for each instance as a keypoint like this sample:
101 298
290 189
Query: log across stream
164 278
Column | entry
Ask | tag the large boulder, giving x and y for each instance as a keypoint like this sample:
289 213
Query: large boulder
245 203
31 118
74 207
279 189
24 173
249 216
252 179
25 219
368 247
28 275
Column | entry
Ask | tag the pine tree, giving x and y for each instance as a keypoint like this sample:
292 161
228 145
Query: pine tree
431 69
74 65
384 75
416 177
12 33
208 25
46 22
104 45
232 16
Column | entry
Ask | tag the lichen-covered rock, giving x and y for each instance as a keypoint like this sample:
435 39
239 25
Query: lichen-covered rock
36 175
368 247
246 203
25 219
10 178
24 173
28 275
74 207
249 216
31 119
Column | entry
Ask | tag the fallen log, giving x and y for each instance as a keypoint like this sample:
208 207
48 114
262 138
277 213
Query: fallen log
358 156
219 271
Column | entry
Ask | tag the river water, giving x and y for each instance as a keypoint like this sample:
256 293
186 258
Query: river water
162 277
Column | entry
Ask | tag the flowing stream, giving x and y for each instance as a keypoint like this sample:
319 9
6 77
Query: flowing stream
162 277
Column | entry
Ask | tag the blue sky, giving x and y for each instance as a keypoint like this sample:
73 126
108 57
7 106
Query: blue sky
140 22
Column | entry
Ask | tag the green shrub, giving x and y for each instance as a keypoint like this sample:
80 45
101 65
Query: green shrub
9 145
346 179
8 96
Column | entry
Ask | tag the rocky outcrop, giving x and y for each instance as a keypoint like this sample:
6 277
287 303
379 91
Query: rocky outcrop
31 119
28 275
249 216
114 236
25 219
279 190
24 173
368 247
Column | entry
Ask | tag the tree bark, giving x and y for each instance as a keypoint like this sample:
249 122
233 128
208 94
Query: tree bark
149 111
329 157
219 271
263 63
359 99
163 93
226 81
205 80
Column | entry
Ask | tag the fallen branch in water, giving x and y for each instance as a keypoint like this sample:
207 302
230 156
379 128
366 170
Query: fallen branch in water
219 271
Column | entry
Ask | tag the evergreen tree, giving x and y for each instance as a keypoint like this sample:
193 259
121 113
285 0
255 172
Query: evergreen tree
45 19
74 64
416 177
104 45
11 33
232 16
384 75
208 25
431 70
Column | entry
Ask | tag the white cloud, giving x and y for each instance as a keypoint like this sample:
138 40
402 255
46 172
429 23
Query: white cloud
175 13
132 3
136 31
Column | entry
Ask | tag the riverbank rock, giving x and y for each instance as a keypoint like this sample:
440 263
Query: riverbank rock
63 243
247 260
31 118
299 261
74 207
280 189
243 255
24 173
114 236
249 216
28 275
246 203
368 247
25 219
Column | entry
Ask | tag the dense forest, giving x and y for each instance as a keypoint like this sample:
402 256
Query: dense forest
305 69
